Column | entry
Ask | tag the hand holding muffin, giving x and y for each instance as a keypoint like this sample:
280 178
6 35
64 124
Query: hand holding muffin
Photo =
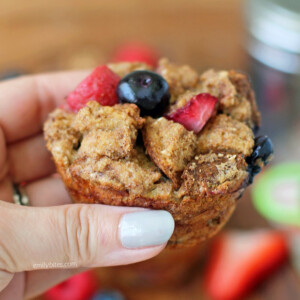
52 233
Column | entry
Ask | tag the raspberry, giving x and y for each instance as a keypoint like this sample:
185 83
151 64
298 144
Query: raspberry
136 52
79 287
100 86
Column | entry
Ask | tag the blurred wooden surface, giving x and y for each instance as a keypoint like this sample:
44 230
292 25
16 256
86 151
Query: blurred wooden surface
39 35
281 285
62 34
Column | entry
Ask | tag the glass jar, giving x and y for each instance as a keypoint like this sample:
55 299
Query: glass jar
273 44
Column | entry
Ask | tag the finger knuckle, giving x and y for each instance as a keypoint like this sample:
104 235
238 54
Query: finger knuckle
81 233
3 155
7 258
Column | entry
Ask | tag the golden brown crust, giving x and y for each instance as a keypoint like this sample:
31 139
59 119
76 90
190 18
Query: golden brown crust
102 132
214 174
169 145
179 77
197 218
242 85
61 137
235 95
209 223
223 133
137 174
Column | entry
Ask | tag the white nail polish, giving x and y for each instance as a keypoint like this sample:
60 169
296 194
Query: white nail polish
145 228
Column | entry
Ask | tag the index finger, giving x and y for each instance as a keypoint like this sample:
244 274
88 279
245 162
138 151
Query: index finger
25 102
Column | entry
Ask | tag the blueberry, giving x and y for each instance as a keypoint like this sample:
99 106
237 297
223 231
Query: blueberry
261 156
253 171
108 295
148 90
262 151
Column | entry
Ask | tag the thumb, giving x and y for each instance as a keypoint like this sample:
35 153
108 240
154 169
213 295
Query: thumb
79 235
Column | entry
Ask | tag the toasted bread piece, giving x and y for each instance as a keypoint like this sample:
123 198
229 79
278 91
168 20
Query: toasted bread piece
214 173
169 145
243 88
61 137
179 77
137 174
107 131
235 95
224 133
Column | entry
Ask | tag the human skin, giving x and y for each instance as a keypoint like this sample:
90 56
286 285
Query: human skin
51 229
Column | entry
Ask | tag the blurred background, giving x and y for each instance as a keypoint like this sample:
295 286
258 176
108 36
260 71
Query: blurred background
258 37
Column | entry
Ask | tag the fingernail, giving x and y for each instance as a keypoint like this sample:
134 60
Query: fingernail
145 228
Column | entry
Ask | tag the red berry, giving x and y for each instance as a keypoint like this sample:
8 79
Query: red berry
79 287
100 86
239 260
195 114
136 52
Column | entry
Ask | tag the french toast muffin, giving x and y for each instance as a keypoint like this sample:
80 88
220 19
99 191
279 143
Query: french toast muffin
165 138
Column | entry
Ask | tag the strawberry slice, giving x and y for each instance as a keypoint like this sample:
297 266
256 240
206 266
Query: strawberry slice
239 260
78 287
100 86
194 115
136 52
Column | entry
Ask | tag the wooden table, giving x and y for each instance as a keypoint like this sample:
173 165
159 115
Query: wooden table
38 35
